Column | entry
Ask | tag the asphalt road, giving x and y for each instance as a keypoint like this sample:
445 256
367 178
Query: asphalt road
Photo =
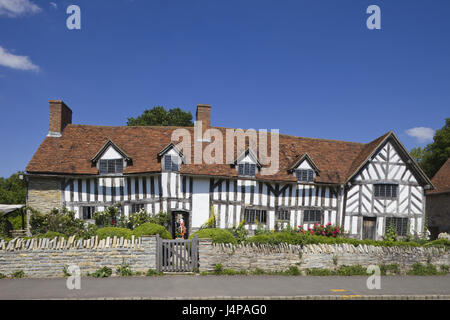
226 287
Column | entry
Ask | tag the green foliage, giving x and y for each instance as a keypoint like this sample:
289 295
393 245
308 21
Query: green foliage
58 220
158 116
327 230
218 269
124 270
217 235
5 227
102 273
443 243
137 219
18 274
351 271
293 271
445 268
153 272
109 217
433 156
258 271
51 235
89 231
103 233
389 269
2 275
66 272
391 233
419 269
12 190
149 229
240 233
211 222
319 272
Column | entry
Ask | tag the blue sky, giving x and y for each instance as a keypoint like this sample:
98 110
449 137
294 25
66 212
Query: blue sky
308 68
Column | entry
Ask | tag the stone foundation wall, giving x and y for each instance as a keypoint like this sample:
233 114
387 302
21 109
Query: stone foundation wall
47 258
280 258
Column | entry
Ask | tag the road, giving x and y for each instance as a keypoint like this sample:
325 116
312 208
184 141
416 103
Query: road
226 287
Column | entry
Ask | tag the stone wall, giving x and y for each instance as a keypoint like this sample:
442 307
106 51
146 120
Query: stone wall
39 258
44 194
281 257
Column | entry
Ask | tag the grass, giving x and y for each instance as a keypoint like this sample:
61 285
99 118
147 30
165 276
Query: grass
18 274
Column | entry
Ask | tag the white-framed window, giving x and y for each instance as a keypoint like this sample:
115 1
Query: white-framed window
401 224
88 212
171 163
110 166
247 169
136 207
385 190
283 215
305 175
312 216
253 215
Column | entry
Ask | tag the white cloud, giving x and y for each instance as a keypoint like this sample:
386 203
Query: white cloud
15 8
422 134
16 62
54 5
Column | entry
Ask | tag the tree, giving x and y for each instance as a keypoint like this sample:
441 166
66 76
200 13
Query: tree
158 116
12 190
433 156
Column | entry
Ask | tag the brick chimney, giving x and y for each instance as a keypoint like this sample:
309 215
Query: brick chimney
203 118
204 115
60 117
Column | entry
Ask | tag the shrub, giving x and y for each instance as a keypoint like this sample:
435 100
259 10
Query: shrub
258 271
444 268
2 275
124 270
18 274
419 269
293 271
51 235
218 269
103 233
438 243
217 235
327 230
389 268
102 273
137 219
149 229
319 272
351 271
153 272
109 217
58 220
240 233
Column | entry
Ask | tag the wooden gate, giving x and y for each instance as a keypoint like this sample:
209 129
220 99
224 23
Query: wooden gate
177 255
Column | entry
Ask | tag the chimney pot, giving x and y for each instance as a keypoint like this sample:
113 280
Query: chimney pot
60 117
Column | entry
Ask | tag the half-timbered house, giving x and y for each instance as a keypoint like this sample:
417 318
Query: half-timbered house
364 187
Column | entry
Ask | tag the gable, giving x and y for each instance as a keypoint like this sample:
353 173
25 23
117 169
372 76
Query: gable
110 153
387 164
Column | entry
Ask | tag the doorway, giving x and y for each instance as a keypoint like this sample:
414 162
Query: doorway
179 224
369 228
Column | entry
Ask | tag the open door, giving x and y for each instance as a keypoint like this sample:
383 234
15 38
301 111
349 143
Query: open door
369 228
179 224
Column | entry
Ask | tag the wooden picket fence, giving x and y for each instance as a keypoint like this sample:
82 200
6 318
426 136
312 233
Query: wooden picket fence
177 255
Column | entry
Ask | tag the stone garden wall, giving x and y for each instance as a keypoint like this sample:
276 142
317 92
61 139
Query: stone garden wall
281 257
40 258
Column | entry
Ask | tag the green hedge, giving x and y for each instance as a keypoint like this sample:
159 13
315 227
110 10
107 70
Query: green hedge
51 235
149 229
103 233
217 235
304 239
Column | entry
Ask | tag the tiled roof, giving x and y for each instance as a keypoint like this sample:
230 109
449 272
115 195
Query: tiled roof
441 179
72 153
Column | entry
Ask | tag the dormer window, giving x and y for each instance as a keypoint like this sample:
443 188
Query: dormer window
305 175
247 169
171 163
110 166
110 159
